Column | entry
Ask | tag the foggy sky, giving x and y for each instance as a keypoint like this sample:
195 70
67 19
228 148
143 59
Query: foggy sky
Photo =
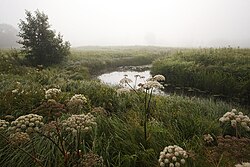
177 23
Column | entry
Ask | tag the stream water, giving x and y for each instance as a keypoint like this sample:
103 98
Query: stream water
113 78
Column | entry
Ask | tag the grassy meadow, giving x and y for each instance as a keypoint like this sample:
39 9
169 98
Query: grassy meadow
113 133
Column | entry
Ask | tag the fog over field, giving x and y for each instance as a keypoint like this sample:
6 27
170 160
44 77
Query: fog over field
176 23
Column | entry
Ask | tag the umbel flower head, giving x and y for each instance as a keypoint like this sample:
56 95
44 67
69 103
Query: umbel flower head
152 84
236 118
78 99
125 80
27 123
19 138
79 123
173 156
159 78
52 93
3 124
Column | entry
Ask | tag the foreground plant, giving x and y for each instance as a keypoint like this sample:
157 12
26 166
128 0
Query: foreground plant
147 87
28 123
76 103
173 156
79 123
52 93
237 121
68 136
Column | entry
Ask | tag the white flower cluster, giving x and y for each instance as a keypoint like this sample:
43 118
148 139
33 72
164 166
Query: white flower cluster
52 93
3 124
172 156
125 80
152 84
243 164
159 78
78 99
122 91
208 138
235 117
77 123
27 123
19 138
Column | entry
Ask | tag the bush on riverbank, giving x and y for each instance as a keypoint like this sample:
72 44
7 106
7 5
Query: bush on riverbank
218 71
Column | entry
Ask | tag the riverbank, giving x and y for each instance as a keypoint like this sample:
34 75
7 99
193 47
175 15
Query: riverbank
219 72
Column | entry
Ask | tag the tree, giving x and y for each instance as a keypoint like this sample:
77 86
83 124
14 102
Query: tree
40 44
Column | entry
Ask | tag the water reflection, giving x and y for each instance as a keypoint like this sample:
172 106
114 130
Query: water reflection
114 78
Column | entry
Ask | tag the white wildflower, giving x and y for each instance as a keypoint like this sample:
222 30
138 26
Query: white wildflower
159 78
79 123
27 123
236 118
52 93
152 84
125 80
173 156
78 99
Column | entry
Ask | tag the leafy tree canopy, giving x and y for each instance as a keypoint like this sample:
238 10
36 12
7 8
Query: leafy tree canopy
40 44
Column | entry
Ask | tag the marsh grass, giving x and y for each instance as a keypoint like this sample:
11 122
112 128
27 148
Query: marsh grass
118 136
220 72
97 59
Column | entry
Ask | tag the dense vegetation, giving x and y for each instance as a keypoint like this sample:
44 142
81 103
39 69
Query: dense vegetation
224 72
117 139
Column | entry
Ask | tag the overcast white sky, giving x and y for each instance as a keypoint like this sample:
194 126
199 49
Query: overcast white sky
184 23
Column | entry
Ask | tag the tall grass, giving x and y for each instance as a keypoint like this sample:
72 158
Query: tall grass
218 71
119 135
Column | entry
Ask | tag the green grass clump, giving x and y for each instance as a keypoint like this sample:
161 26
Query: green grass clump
222 72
